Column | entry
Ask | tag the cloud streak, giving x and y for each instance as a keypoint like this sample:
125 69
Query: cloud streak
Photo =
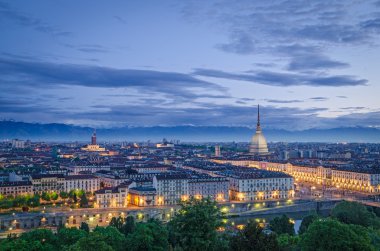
50 75
285 79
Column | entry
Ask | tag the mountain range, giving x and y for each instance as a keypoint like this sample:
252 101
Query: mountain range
63 132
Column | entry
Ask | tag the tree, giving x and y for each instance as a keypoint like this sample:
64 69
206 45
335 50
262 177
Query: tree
335 236
117 223
83 200
287 242
34 201
306 221
112 237
94 241
45 196
148 236
22 245
129 225
64 195
354 213
252 237
282 225
84 226
43 236
54 196
194 226
68 236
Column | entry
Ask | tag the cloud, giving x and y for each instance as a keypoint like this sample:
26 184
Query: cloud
341 96
283 101
88 48
319 98
353 108
314 62
119 19
6 12
241 43
284 79
51 75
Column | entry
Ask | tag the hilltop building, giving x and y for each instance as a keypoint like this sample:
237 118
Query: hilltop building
93 147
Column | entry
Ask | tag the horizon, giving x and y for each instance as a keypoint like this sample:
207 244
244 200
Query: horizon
143 64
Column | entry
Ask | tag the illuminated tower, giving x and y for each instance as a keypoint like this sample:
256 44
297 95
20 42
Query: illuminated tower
93 138
258 144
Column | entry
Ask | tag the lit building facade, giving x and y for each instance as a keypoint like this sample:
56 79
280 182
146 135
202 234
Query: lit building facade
112 197
88 183
48 183
16 188
142 196
215 188
171 188
260 185
358 179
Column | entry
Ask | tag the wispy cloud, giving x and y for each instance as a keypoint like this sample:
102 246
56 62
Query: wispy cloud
51 75
284 79
23 19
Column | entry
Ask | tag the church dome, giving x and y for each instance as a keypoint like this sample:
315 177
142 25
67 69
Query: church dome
258 143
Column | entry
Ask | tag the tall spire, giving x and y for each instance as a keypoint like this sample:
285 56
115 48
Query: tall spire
258 128
93 138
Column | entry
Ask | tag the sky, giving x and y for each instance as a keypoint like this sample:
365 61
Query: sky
309 64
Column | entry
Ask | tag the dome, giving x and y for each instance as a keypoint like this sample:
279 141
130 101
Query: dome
258 143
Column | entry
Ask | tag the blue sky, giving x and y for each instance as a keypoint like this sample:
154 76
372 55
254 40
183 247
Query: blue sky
309 64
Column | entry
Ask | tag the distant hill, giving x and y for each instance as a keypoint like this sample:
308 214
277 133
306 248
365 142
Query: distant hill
63 132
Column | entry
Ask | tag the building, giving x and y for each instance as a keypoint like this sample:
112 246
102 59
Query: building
16 143
88 168
88 183
363 180
252 184
171 188
142 196
217 151
48 182
258 144
205 186
355 179
93 147
16 188
112 197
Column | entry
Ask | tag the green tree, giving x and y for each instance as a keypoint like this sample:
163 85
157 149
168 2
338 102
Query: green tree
84 226
44 236
306 221
117 223
53 196
252 237
34 201
94 241
148 236
129 225
288 242
112 237
45 196
354 213
194 226
83 200
282 225
335 236
64 195
22 245
68 236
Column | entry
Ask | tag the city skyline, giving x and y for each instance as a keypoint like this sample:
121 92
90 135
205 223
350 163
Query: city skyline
204 64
